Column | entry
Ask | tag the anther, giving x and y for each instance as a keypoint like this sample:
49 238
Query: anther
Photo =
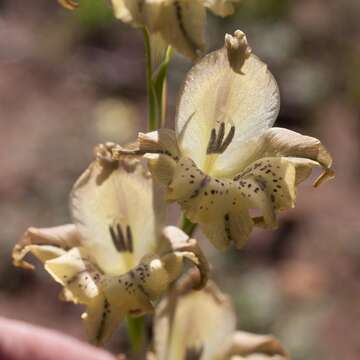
129 239
217 144
117 238
212 142
227 140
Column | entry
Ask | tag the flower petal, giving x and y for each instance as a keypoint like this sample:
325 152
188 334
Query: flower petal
77 274
269 185
41 252
253 346
280 142
181 23
220 99
134 292
101 319
108 298
85 284
182 245
129 11
53 242
221 7
105 207
222 207
199 322
160 149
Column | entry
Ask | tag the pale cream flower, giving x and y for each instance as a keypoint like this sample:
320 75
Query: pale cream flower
179 23
117 258
201 325
224 159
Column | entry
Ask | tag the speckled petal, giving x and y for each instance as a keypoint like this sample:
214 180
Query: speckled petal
269 185
286 143
222 207
75 271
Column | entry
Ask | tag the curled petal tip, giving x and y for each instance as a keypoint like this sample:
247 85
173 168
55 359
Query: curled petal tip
328 174
103 152
239 42
17 258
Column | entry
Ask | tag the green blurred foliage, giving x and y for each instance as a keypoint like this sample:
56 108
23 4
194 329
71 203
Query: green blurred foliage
353 77
94 14
270 9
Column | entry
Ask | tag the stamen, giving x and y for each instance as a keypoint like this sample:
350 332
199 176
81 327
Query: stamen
117 238
212 142
220 135
217 144
227 140
129 239
194 353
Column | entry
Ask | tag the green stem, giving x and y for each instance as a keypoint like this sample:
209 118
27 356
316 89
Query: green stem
156 85
160 86
187 226
136 328
152 111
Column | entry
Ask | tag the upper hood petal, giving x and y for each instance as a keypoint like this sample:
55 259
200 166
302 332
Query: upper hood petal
118 213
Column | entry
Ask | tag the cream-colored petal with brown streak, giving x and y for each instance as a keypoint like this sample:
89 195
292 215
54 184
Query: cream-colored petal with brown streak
101 319
182 25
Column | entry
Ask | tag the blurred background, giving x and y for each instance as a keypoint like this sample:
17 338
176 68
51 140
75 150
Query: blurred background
69 80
